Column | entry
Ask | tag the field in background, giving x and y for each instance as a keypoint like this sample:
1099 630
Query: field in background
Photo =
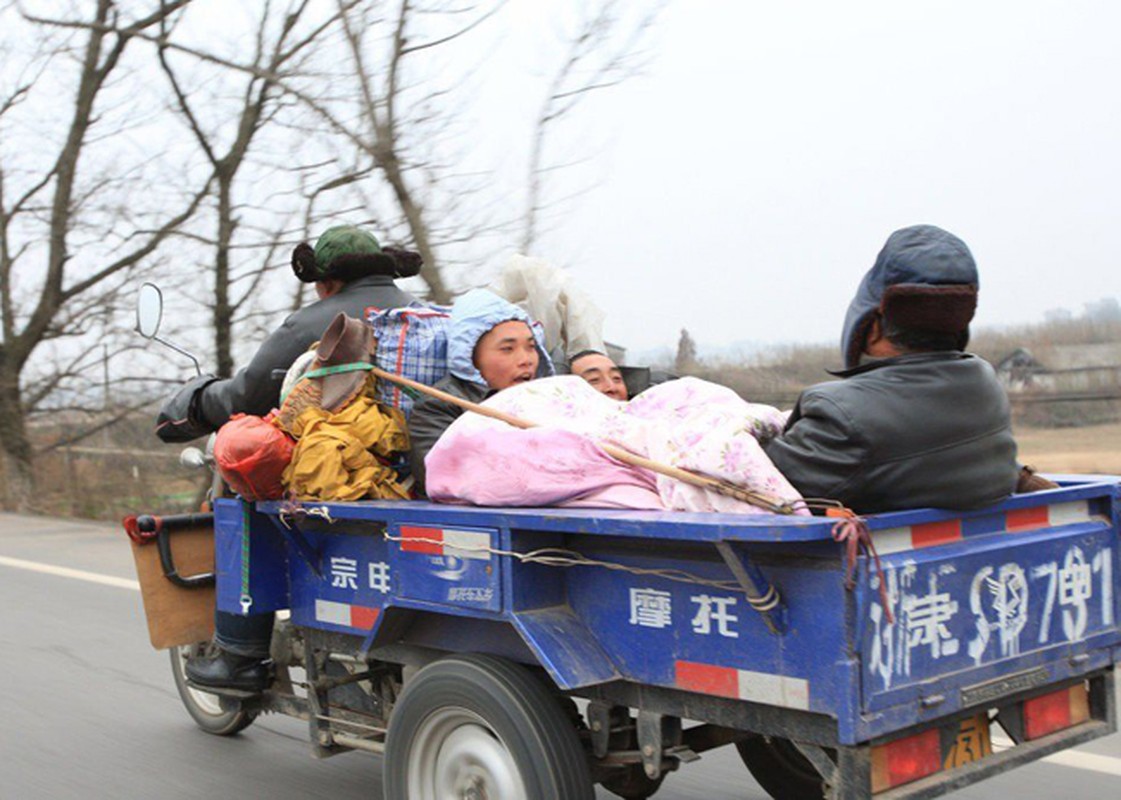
130 471
1095 448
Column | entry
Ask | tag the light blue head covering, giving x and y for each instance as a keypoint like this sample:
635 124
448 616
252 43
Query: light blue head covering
472 316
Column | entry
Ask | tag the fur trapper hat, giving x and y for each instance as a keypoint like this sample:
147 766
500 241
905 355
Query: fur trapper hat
346 253
925 278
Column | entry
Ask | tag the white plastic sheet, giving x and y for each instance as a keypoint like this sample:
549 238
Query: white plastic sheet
571 321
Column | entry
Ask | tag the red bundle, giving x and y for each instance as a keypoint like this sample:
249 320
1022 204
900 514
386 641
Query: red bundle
252 455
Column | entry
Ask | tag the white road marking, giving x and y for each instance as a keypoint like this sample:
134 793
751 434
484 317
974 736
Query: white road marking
66 572
1107 765
1094 762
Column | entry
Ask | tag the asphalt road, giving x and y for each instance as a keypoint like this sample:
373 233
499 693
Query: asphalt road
90 710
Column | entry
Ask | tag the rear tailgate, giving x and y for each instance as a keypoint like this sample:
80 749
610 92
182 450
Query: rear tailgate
988 605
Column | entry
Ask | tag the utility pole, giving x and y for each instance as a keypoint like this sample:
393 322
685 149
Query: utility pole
105 391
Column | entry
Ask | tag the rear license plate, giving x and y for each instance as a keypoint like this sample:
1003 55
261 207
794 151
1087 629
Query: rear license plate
933 750
972 743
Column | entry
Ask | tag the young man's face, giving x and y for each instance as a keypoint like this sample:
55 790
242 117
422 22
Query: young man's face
601 372
507 354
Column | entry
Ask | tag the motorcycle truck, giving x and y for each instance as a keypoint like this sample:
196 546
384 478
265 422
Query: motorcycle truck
530 654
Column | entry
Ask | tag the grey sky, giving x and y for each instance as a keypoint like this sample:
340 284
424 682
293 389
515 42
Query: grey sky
747 180
771 148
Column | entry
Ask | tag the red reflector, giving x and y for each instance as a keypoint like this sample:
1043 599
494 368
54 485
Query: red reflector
930 534
1055 711
364 618
1025 519
906 760
707 679
422 540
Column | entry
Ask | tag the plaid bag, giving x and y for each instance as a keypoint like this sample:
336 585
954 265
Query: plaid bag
412 342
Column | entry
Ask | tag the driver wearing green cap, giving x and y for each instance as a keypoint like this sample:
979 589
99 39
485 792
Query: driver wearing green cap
352 273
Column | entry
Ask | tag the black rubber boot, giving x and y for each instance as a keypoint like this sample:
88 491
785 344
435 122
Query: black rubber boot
229 671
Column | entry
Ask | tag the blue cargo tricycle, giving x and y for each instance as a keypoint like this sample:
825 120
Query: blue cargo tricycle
532 653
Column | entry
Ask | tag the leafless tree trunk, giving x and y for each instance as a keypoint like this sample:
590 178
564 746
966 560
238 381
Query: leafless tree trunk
380 107
47 209
262 77
380 134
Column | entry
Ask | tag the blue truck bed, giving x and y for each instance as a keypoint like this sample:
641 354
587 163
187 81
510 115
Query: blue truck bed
985 604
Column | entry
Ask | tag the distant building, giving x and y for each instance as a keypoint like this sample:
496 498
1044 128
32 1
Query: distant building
1078 369
1019 371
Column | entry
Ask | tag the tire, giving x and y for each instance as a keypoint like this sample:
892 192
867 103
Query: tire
205 708
781 769
478 726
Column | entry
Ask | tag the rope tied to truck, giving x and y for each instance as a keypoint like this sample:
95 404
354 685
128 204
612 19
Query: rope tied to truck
851 532
560 557
245 599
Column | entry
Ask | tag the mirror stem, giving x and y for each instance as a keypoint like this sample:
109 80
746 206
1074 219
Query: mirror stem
178 349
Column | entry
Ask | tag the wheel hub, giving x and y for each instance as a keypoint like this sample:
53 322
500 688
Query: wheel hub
474 790
458 757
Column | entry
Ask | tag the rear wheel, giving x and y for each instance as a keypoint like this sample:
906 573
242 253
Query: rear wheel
781 769
480 727
205 709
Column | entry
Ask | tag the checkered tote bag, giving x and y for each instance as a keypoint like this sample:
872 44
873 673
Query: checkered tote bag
412 342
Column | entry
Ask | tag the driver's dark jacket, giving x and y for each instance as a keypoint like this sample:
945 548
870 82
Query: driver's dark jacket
254 390
929 429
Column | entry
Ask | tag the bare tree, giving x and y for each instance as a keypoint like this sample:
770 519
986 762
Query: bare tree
50 208
383 131
260 98
391 115
603 52
686 360
368 106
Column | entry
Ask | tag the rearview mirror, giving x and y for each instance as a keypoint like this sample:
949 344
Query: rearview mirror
192 457
149 310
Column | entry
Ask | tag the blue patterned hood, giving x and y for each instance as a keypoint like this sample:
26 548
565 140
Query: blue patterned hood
475 313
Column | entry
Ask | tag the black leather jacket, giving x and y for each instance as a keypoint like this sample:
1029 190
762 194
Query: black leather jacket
927 429
431 417
205 406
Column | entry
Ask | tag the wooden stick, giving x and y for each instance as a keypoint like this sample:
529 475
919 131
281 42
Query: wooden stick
618 453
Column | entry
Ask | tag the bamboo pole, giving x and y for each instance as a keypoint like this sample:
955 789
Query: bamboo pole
618 453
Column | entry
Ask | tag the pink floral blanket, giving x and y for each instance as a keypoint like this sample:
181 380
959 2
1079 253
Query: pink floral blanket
687 423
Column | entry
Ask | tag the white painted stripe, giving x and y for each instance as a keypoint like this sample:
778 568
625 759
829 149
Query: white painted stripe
467 544
332 612
1068 513
1077 759
898 540
893 540
1107 765
775 690
66 572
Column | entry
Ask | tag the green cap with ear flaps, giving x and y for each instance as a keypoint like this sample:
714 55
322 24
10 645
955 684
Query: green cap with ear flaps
344 240
346 252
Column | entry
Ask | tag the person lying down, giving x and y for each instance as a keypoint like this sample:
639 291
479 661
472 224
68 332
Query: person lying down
689 423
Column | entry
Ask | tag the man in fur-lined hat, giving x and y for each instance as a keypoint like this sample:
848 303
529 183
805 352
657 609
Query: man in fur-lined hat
352 273
915 421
